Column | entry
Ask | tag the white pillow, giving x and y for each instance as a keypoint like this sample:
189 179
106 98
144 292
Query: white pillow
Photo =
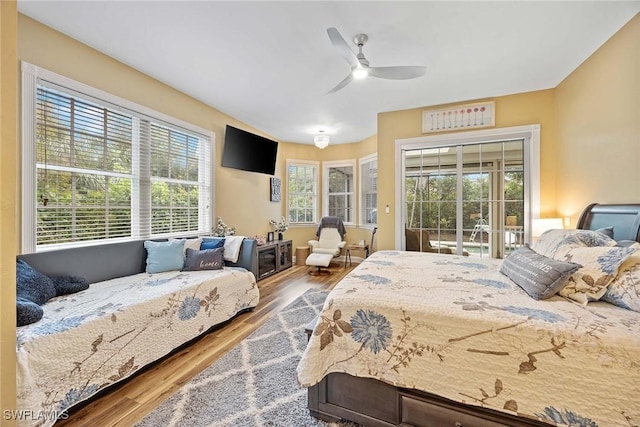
190 244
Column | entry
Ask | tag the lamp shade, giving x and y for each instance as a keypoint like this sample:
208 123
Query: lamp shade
540 225
321 140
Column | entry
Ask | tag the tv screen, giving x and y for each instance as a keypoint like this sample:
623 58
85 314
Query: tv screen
247 151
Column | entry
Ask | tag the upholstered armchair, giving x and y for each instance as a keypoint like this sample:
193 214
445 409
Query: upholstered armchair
329 242
330 233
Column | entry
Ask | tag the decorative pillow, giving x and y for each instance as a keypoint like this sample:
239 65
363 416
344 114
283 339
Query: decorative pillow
193 243
599 267
164 256
27 311
624 290
212 242
552 240
205 259
607 231
33 285
540 277
69 284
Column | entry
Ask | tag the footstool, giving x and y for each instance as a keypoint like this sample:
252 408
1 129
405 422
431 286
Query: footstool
319 260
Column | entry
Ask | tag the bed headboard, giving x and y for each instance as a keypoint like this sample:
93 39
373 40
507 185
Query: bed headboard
624 218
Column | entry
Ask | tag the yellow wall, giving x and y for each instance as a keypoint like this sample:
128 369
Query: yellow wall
512 110
242 198
8 213
597 115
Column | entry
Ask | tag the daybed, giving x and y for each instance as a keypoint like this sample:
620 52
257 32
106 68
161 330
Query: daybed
417 339
126 319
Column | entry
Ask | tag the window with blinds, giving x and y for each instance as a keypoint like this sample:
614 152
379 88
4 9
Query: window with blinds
104 172
339 192
369 190
302 192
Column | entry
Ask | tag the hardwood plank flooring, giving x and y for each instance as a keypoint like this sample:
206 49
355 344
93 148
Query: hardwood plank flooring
127 403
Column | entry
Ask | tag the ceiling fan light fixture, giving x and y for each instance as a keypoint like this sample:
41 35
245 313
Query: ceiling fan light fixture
321 140
360 73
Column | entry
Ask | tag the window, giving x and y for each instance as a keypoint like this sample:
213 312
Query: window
369 190
302 192
97 168
339 185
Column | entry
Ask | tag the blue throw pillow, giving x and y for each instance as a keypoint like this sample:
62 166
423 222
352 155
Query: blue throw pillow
27 312
205 259
33 285
212 242
164 256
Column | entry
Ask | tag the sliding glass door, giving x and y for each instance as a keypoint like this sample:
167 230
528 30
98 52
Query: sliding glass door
467 199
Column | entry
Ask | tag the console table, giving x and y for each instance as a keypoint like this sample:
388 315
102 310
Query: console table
274 257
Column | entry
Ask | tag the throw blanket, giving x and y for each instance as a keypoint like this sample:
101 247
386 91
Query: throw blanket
332 222
458 328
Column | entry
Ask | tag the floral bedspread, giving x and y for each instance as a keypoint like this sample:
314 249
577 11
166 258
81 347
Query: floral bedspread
94 338
456 327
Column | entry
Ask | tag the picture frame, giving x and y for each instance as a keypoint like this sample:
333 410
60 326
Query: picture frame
270 236
275 195
459 117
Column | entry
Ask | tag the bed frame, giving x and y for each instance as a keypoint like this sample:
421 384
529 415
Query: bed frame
374 403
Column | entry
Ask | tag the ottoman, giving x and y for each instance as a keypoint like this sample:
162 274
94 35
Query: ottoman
319 260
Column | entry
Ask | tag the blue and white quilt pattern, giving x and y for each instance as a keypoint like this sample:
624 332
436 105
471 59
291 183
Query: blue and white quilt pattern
97 337
457 327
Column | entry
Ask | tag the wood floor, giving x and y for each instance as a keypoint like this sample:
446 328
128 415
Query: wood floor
125 404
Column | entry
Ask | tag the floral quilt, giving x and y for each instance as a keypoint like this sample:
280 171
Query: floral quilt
97 337
458 328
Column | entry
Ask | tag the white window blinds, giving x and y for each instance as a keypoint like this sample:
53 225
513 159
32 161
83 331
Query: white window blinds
102 171
302 193
369 190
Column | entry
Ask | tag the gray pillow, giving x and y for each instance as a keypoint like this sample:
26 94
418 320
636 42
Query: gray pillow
540 277
205 259
607 231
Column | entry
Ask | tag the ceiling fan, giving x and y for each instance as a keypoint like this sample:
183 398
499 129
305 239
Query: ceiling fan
360 65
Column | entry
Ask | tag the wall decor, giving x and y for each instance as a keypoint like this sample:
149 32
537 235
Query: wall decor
270 236
460 117
275 189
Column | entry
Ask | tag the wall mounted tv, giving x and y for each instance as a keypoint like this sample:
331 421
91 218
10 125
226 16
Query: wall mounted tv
247 151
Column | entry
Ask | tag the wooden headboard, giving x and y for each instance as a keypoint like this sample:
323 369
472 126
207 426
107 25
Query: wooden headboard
624 218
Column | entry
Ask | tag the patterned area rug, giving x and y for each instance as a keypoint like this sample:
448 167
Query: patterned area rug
254 384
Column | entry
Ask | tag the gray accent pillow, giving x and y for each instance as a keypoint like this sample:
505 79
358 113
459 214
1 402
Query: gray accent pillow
539 276
205 259
607 231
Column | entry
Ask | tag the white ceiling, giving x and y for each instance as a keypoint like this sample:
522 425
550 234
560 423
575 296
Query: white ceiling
269 64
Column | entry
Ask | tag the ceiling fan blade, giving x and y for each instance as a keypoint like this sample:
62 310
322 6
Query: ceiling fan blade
397 73
342 84
342 46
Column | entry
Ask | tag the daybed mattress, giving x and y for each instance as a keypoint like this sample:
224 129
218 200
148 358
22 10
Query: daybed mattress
458 328
94 338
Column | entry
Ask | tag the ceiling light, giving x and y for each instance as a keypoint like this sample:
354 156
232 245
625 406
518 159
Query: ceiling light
321 140
360 73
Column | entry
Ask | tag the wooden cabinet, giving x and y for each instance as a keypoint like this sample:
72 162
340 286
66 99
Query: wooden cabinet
273 257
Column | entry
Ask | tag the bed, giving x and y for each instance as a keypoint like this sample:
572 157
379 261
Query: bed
418 339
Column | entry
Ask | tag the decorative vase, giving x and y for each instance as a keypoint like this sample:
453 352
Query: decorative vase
280 236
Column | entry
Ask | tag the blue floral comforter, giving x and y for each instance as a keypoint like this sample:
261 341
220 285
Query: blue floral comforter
97 337
457 327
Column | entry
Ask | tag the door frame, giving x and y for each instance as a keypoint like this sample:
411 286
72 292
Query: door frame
529 133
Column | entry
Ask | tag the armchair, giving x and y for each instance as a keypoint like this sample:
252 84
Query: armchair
329 244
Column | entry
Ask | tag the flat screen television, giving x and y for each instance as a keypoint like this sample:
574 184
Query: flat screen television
249 152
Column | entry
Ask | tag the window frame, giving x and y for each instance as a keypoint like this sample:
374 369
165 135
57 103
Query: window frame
362 162
316 180
32 77
326 166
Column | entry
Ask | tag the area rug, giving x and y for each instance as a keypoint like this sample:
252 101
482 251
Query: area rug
254 384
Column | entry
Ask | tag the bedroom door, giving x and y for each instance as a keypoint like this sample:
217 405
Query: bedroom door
467 198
